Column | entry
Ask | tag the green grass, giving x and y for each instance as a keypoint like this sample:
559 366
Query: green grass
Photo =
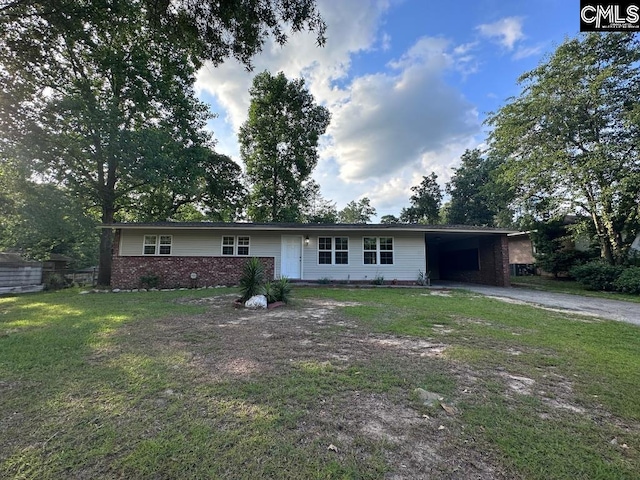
98 386
551 284
601 359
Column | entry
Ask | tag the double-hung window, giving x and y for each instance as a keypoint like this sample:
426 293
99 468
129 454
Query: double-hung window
377 250
157 245
333 250
232 245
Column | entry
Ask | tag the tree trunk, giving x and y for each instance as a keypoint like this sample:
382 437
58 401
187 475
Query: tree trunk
606 252
106 245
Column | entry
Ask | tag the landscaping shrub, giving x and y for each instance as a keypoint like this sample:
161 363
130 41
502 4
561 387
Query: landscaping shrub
150 280
252 279
282 290
629 281
269 291
55 281
423 278
597 275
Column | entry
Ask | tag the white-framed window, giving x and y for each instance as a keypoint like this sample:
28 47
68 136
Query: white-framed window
333 250
235 245
377 250
157 244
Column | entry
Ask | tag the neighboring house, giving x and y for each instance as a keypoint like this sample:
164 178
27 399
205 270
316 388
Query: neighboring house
18 275
190 254
521 254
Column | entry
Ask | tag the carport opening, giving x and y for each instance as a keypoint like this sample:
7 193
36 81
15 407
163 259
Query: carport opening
465 257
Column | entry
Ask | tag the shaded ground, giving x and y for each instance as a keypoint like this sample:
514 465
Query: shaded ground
591 306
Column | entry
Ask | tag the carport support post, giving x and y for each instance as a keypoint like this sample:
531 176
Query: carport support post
501 252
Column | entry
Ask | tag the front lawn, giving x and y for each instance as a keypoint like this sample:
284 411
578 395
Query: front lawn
182 385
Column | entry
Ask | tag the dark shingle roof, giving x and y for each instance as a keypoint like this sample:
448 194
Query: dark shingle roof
311 226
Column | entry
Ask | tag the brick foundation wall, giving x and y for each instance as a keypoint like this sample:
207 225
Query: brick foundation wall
174 272
494 265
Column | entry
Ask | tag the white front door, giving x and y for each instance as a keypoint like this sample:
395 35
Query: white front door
291 260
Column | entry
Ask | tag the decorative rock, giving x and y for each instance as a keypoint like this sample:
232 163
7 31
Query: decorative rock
428 398
116 290
84 292
257 301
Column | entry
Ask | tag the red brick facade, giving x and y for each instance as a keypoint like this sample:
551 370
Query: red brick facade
175 272
493 256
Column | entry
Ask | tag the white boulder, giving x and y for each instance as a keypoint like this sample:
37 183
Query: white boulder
257 301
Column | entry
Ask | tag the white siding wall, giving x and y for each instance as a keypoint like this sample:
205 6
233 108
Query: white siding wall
408 258
408 251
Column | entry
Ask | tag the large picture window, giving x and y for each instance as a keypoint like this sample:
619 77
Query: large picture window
377 250
333 250
157 245
232 245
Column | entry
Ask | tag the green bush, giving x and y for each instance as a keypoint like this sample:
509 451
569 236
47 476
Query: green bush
629 281
597 275
282 290
269 291
150 280
252 279
55 281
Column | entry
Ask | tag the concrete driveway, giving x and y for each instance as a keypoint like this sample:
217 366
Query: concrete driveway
595 307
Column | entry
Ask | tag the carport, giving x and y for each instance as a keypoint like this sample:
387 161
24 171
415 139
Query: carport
468 254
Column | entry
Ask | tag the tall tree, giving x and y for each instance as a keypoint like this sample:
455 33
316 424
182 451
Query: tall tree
278 144
476 197
318 209
425 202
95 94
571 138
103 112
357 212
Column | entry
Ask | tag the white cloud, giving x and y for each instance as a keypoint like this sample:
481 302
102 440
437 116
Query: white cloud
385 42
389 120
524 52
508 31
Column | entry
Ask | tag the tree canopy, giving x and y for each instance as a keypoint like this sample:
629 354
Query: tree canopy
476 196
278 144
206 29
38 219
357 212
570 138
425 202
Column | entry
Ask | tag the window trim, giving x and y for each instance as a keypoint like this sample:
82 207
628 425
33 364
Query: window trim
378 251
235 246
332 251
157 245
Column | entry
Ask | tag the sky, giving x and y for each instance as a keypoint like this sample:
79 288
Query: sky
408 83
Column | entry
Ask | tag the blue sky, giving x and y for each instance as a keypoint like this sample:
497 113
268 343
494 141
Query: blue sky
408 83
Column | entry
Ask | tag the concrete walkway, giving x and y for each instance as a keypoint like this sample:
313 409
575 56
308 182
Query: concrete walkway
592 306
